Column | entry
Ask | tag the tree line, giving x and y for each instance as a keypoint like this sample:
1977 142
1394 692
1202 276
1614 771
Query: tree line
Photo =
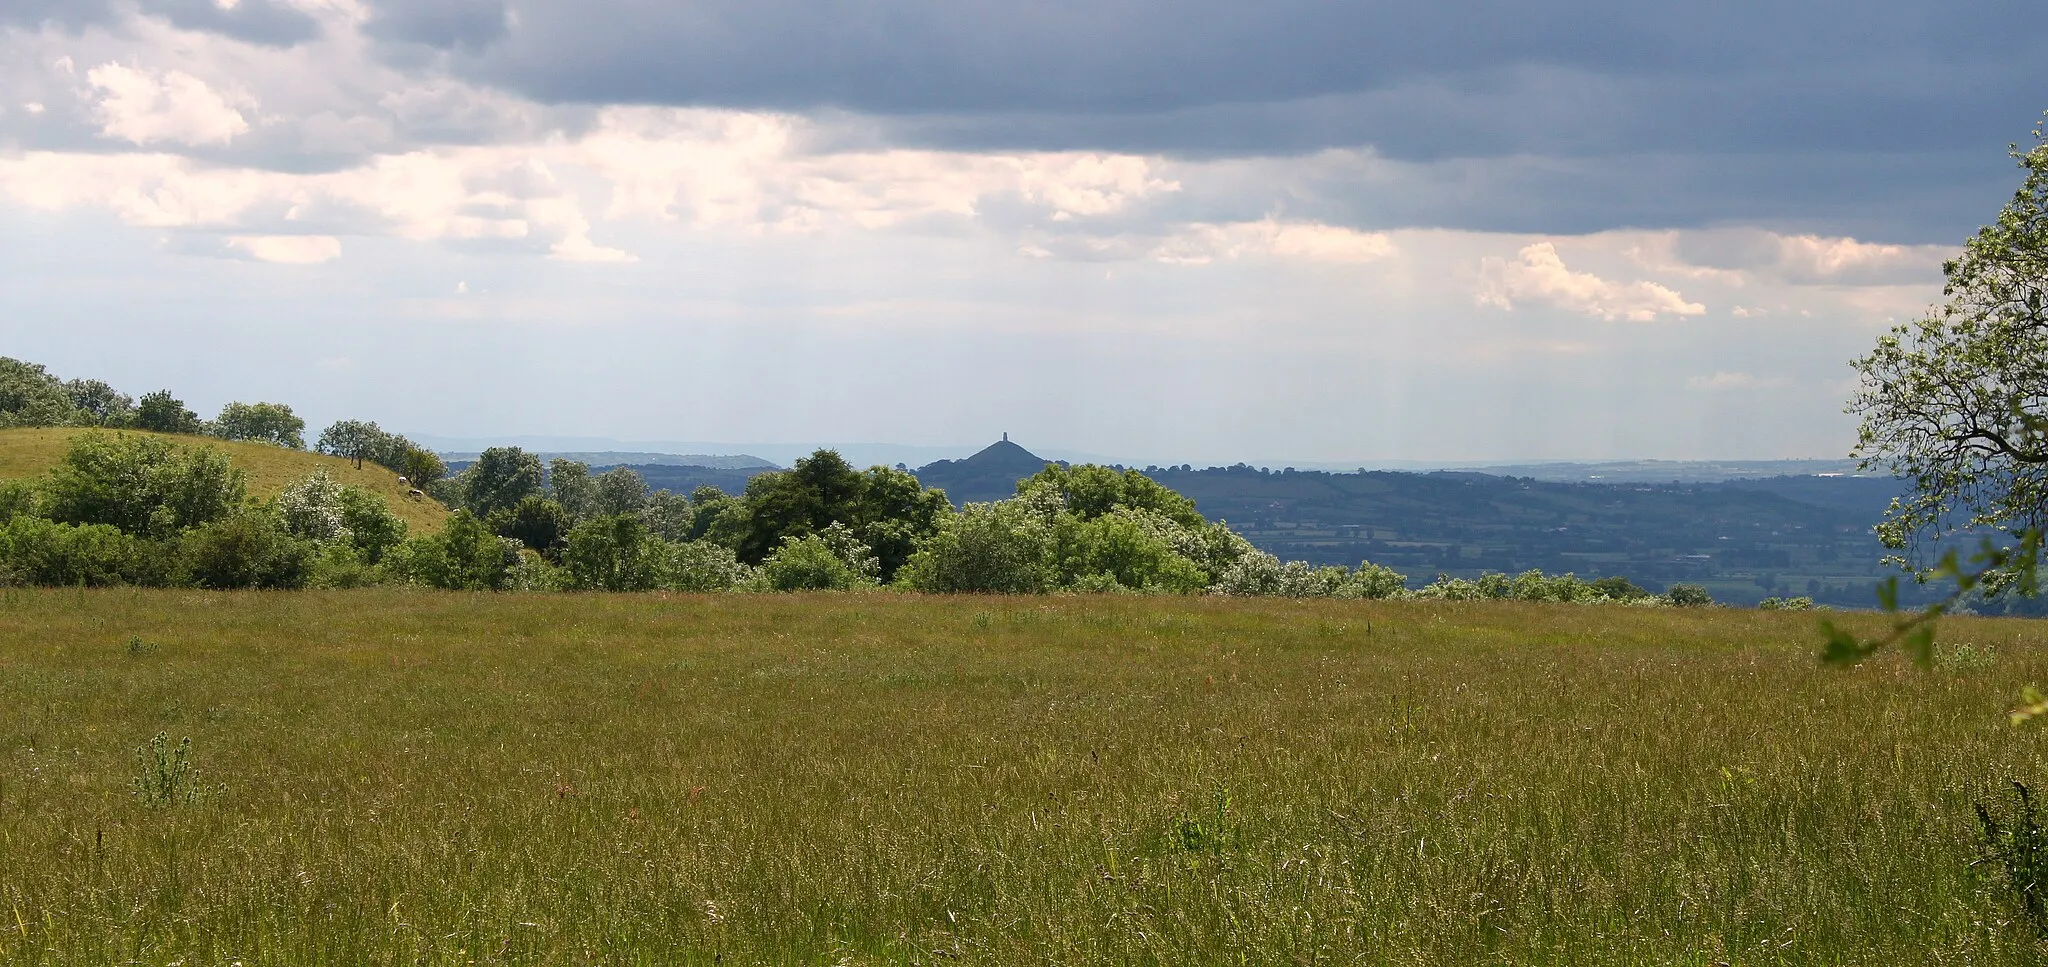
146 510
134 509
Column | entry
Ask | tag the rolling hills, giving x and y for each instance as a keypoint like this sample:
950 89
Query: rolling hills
1742 539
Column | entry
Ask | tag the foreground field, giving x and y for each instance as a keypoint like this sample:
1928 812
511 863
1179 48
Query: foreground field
413 778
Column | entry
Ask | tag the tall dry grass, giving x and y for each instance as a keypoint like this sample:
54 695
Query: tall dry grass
397 777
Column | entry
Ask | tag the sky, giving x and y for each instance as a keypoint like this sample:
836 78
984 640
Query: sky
1192 231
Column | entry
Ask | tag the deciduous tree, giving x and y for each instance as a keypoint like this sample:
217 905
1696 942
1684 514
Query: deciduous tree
142 485
163 413
1957 402
354 441
272 423
500 479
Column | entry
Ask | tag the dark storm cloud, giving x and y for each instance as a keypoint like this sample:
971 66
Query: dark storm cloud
1125 56
256 21
267 22
465 24
63 13
1930 197
1907 102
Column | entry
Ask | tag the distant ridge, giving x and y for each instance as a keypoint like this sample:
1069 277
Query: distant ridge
990 474
1672 471
622 458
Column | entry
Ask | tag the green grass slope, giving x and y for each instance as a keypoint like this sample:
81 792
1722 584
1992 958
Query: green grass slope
394 777
31 452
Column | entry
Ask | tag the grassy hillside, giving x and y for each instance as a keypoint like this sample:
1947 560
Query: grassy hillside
400 777
33 451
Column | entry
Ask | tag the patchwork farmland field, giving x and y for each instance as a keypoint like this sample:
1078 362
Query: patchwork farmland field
399 777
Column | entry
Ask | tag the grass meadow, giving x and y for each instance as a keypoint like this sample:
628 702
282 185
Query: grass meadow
400 777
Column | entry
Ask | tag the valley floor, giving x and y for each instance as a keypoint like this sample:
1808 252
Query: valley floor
401 777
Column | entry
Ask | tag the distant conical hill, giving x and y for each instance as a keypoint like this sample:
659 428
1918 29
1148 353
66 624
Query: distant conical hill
990 474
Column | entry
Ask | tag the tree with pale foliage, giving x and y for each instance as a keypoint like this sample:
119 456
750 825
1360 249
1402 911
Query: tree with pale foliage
1956 403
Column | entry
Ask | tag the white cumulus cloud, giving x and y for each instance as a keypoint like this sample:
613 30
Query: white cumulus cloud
143 107
1813 258
758 171
1539 275
1740 256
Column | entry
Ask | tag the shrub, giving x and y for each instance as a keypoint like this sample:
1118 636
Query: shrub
311 509
1566 588
993 548
1530 585
1090 491
614 553
537 522
702 566
351 525
371 525
1448 588
1258 574
830 560
340 565
1124 547
420 560
1215 548
465 556
18 498
142 485
1688 596
1786 604
535 573
1262 574
34 550
1376 581
1618 588
248 549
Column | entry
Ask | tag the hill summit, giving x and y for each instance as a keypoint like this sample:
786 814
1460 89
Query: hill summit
990 474
1003 454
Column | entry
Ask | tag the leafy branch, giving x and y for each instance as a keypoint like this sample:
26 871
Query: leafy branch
2014 567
